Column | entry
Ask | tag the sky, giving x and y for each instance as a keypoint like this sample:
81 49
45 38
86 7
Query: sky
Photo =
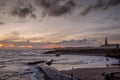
62 23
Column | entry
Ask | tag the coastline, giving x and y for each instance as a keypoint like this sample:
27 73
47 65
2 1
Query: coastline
91 73
108 52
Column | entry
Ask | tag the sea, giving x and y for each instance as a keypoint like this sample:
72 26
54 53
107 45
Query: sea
62 62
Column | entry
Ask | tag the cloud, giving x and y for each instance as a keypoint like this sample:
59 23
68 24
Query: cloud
2 3
33 8
15 34
11 36
71 43
114 37
78 43
100 4
86 11
113 2
22 10
2 23
108 28
54 8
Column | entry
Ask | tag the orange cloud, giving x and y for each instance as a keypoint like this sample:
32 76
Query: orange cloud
1 45
25 46
15 46
7 45
51 46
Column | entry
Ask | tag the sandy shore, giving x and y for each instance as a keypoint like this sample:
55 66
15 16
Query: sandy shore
91 73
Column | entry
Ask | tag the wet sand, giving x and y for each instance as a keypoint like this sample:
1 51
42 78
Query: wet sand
91 73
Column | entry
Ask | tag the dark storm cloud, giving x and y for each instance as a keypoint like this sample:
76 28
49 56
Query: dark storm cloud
86 11
113 2
2 23
100 4
2 3
33 16
53 7
22 10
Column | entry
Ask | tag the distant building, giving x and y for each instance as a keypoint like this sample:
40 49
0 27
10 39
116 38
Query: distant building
106 45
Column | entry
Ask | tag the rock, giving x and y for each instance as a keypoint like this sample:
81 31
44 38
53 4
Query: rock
51 73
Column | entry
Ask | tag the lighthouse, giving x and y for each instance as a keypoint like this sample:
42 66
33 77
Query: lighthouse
106 42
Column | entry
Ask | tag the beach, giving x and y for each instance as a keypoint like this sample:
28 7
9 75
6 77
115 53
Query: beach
91 73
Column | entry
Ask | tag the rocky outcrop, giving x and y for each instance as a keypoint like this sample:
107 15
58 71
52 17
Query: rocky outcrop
41 70
51 73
